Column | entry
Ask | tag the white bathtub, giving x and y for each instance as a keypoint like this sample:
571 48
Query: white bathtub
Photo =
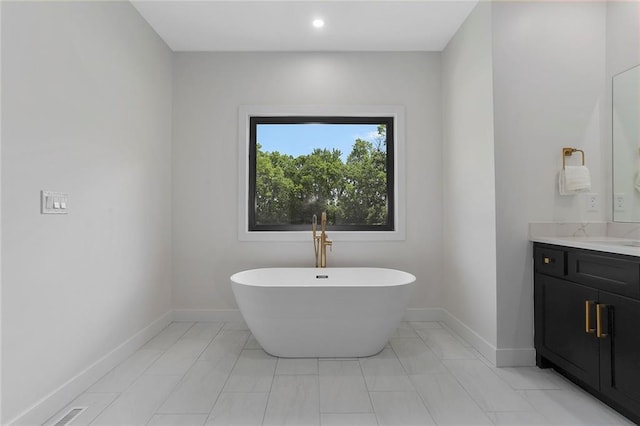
328 312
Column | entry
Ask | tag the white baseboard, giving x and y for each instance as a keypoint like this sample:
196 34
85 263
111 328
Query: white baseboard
48 406
517 357
206 315
469 335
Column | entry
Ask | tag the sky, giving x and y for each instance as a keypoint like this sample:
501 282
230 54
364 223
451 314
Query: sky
302 139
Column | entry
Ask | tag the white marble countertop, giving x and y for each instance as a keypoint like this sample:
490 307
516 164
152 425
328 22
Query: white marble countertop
605 244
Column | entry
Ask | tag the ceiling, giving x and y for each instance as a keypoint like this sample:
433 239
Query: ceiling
285 25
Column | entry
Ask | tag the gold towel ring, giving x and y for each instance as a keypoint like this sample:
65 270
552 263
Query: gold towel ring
567 152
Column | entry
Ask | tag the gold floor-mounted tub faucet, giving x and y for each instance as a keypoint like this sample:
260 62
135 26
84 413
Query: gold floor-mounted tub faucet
320 242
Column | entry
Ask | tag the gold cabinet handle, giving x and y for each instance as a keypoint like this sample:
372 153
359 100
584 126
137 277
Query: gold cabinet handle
587 316
599 315
546 260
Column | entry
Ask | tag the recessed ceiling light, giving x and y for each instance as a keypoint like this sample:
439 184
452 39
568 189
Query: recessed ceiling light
318 23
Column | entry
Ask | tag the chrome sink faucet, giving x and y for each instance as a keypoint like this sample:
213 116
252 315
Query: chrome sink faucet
320 242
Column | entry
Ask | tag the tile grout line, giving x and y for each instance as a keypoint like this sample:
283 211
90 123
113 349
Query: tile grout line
266 405
422 399
487 412
86 391
155 411
138 377
228 375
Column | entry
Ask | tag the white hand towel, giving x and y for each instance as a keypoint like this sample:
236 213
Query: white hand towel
561 184
574 179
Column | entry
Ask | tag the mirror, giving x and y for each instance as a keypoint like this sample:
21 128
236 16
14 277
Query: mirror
626 146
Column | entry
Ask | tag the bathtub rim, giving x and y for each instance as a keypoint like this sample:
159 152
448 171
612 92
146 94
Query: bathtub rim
404 278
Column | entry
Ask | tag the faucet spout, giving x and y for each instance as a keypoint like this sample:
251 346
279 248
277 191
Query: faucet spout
320 242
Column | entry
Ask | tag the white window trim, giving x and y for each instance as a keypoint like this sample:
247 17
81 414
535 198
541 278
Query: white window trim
247 111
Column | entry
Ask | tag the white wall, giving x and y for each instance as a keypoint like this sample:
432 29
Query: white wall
209 88
549 78
86 109
0 212
469 289
623 52
623 29
547 65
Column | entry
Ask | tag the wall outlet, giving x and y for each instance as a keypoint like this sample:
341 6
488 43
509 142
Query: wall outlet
618 202
592 202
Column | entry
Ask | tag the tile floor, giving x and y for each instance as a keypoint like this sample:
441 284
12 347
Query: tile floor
216 374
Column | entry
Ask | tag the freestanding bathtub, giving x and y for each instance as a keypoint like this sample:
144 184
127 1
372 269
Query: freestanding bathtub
327 312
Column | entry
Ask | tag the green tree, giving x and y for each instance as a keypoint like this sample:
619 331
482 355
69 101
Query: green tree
274 187
365 195
290 190
320 183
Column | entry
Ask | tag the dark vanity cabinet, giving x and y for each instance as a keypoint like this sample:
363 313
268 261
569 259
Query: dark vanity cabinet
587 321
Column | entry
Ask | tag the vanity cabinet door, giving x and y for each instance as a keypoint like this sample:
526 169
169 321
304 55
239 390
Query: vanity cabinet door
620 350
560 332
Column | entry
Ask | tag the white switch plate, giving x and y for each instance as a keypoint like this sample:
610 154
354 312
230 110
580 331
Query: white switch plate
618 202
592 202
52 202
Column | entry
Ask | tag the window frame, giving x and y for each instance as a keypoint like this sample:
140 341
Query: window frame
245 112
254 121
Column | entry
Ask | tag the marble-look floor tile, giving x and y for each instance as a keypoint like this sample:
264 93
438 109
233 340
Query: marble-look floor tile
299 391
204 330
482 358
178 358
404 330
348 419
227 344
244 409
295 366
447 401
294 400
383 372
424 325
123 375
400 408
342 388
95 403
235 325
253 372
252 343
199 388
524 418
444 345
531 378
489 391
137 405
573 407
416 357
167 337
456 335
177 420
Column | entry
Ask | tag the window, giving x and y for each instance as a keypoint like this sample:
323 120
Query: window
304 165
295 162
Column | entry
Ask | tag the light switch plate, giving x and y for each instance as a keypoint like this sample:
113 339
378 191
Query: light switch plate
52 202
